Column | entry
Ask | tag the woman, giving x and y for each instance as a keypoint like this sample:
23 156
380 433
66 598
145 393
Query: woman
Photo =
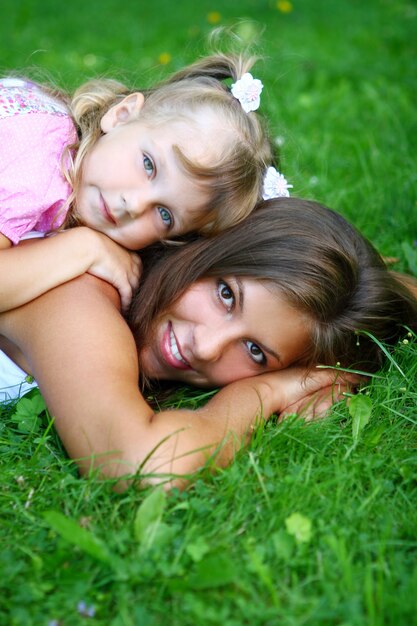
293 285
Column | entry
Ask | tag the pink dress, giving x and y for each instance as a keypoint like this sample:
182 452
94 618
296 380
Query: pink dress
34 130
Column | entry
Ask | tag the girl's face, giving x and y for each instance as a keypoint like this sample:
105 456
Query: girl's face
224 330
133 187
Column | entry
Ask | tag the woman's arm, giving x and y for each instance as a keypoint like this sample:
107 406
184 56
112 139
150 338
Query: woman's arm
83 356
37 265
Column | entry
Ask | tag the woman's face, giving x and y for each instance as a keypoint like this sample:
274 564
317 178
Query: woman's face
224 330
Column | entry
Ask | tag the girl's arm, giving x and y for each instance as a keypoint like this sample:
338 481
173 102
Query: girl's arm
29 270
83 356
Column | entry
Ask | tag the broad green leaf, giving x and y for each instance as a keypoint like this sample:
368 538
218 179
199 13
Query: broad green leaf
216 570
27 424
74 534
26 405
197 549
27 412
299 527
283 544
148 518
360 408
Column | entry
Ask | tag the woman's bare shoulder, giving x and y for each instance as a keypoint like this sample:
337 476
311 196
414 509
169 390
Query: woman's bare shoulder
79 316
74 335
84 287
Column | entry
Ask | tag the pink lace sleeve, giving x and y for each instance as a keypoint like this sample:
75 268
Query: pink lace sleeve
32 189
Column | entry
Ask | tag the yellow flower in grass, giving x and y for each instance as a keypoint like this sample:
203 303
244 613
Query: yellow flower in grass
214 17
284 6
164 58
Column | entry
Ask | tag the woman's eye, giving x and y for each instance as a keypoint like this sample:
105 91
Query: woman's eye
148 165
256 353
225 295
166 217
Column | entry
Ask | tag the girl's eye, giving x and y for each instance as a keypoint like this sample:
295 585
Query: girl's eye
166 217
225 295
148 165
255 353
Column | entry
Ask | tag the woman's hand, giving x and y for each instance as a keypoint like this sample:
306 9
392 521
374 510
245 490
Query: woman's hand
318 403
308 392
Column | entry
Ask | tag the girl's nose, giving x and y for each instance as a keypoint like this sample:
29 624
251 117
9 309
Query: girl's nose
138 201
135 204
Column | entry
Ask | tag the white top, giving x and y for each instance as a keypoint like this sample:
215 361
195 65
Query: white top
13 380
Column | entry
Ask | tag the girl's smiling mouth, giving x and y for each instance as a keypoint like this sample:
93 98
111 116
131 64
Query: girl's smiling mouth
105 211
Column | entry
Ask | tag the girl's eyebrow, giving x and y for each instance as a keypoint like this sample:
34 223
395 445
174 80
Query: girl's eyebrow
240 304
162 170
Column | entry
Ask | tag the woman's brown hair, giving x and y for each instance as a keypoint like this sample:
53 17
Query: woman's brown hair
322 265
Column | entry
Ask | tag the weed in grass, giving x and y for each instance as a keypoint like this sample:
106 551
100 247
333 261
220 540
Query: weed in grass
342 105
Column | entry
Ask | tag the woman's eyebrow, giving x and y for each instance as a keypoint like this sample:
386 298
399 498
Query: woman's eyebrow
240 304
240 293
271 352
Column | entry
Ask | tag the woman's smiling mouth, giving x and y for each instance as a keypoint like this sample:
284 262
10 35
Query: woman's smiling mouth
171 351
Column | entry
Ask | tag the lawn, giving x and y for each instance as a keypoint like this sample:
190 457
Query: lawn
313 525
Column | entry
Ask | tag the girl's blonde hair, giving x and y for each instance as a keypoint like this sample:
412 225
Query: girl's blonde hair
235 180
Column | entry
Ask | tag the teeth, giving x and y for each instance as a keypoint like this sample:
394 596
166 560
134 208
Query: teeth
174 348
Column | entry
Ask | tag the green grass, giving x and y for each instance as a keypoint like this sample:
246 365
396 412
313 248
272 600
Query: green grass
340 83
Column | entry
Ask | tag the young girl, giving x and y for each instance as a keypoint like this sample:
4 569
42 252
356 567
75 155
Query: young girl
253 309
189 154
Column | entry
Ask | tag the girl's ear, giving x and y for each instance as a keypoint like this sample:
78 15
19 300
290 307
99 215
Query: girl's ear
125 111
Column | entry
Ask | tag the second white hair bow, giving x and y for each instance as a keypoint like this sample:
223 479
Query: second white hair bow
275 185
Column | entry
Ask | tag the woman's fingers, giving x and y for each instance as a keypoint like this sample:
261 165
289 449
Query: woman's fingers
311 393
318 403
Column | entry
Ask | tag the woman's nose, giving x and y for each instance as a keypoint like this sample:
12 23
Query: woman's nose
210 343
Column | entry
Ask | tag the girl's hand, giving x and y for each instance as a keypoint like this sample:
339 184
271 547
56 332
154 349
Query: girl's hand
37 265
116 265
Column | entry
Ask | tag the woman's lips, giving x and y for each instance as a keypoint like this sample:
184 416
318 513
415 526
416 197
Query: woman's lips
105 211
171 351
